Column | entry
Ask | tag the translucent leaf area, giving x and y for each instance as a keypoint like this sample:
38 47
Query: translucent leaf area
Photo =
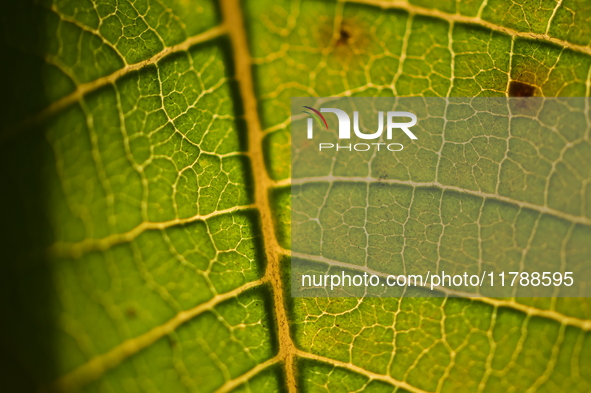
145 152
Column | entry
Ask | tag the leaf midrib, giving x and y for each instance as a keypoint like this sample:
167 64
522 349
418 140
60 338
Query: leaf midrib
234 20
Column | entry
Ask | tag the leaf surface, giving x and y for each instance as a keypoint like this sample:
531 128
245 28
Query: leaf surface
146 158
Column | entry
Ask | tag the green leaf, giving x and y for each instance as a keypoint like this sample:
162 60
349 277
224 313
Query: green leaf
145 172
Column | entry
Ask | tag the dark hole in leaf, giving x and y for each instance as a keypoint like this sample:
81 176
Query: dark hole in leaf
344 37
520 89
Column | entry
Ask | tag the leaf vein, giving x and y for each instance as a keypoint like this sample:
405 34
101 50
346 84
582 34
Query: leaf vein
523 204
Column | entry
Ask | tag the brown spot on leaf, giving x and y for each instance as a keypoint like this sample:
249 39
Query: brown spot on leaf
345 41
130 312
520 89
